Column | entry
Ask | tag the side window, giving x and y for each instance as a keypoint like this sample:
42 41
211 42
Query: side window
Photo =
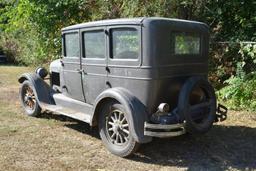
71 43
186 43
124 43
94 44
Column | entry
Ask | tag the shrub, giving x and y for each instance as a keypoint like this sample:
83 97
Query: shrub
10 47
239 93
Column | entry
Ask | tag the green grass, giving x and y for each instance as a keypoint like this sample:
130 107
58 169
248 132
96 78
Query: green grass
54 142
9 74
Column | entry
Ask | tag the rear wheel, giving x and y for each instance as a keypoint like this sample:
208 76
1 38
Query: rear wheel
114 127
28 99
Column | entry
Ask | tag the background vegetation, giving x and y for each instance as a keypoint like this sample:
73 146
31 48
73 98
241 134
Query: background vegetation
30 34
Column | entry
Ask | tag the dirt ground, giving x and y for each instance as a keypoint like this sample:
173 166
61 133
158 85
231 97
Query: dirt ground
55 142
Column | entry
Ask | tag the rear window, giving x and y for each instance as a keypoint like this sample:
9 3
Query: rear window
187 43
125 43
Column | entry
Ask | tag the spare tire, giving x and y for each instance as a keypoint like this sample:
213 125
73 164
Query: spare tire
197 105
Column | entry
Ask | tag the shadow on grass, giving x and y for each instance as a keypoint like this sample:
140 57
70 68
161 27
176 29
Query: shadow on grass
72 123
9 64
222 148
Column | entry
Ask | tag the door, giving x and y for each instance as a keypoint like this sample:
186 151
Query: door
93 62
72 74
125 58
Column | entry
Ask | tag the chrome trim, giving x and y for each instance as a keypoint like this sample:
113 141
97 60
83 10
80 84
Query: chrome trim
167 130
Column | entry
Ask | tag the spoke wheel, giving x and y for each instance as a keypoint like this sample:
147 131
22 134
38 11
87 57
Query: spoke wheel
115 129
28 99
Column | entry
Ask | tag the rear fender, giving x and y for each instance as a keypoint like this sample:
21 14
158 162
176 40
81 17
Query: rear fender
42 89
136 109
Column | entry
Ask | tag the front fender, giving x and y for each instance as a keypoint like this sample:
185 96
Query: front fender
136 109
42 89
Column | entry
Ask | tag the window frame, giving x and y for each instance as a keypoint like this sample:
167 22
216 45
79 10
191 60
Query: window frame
64 43
124 62
83 31
93 61
173 43
112 46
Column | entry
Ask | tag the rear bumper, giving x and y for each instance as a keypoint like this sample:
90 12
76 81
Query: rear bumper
172 130
221 114
161 131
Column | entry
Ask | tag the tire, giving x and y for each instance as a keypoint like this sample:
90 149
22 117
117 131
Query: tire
184 106
28 99
116 136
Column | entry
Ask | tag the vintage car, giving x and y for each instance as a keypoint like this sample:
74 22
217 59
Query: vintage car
133 78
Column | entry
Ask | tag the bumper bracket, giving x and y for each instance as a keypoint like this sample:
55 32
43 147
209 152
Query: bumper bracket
221 114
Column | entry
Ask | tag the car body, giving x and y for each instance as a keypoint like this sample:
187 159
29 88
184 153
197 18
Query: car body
135 78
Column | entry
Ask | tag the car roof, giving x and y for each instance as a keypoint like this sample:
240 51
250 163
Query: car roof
126 21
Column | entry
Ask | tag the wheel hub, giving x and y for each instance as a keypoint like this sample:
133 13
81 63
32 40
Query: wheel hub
28 97
116 127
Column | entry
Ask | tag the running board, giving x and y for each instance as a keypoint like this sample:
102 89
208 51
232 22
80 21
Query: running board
67 112
69 107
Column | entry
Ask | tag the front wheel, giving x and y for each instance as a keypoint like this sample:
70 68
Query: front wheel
28 99
114 128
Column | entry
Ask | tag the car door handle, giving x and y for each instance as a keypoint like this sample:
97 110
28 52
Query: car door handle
79 70
107 69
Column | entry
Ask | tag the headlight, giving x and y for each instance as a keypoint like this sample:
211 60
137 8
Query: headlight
41 72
